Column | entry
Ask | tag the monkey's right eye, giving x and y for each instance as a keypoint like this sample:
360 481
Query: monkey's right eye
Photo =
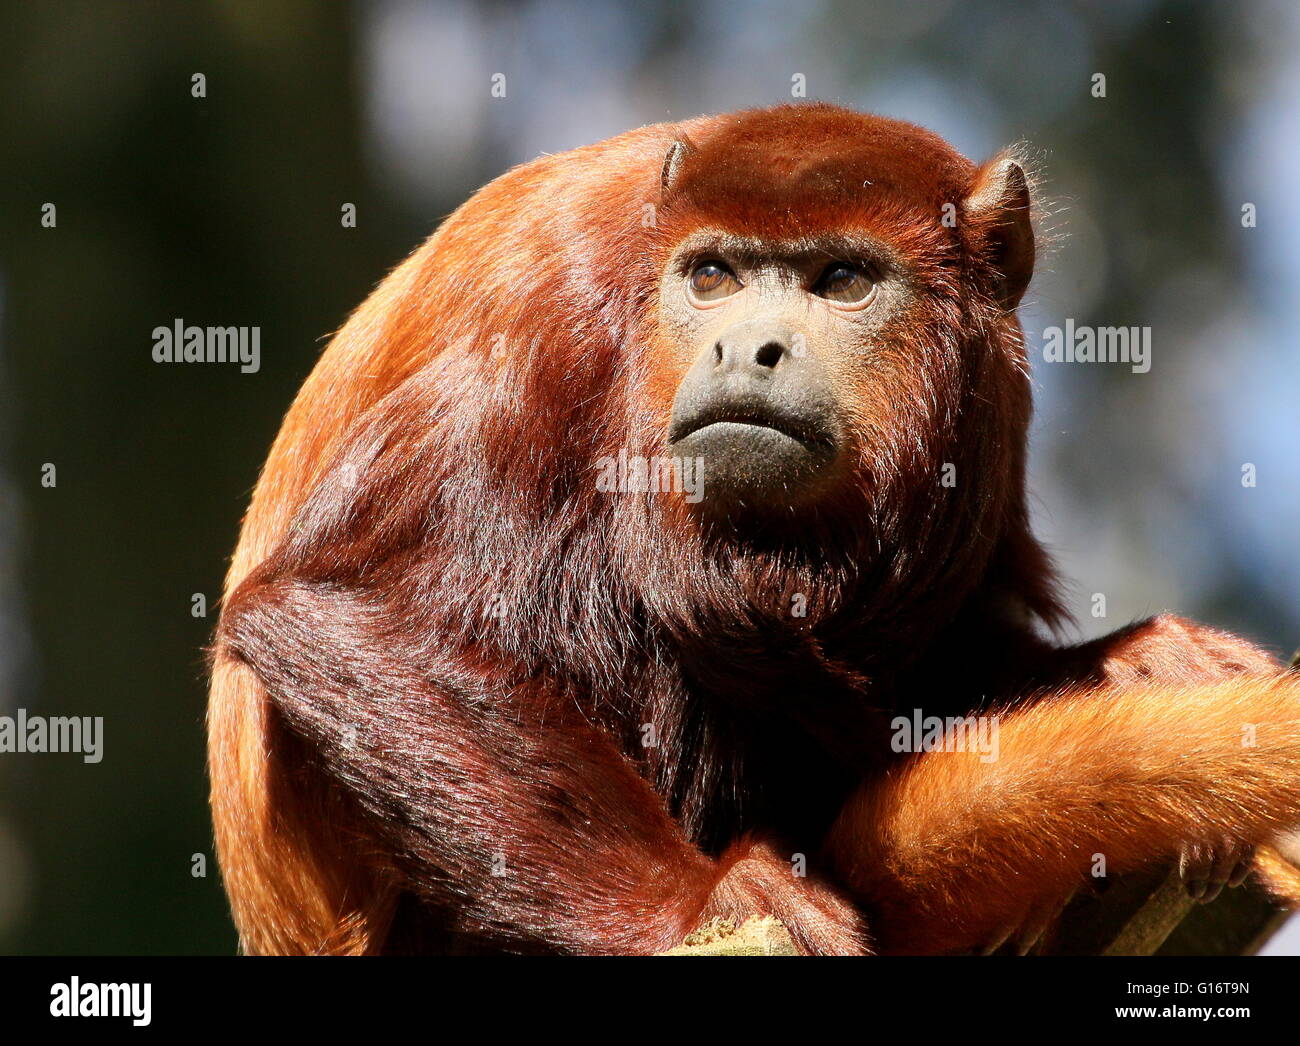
712 281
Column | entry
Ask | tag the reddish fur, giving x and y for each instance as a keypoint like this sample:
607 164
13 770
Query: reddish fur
951 848
437 466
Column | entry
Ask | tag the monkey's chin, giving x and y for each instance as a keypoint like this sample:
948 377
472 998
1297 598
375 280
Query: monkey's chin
746 468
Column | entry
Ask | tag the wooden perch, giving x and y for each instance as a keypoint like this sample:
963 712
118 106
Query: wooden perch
765 936
1139 915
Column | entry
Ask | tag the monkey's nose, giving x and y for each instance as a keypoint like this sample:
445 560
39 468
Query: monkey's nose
749 352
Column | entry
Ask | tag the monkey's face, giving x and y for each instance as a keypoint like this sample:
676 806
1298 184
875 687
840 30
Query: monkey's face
774 343
836 339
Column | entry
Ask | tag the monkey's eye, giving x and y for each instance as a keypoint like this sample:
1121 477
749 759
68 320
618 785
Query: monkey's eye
711 281
845 284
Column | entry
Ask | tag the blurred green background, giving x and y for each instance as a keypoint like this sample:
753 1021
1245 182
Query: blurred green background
225 210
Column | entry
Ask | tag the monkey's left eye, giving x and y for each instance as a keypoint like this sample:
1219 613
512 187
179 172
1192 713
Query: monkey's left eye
711 281
845 284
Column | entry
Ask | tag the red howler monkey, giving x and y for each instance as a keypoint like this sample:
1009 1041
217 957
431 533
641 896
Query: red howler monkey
468 697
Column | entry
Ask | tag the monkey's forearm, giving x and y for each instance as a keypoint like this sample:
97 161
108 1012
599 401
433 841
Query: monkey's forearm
952 845
535 829
537 832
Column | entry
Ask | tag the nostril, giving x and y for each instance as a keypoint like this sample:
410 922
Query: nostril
769 355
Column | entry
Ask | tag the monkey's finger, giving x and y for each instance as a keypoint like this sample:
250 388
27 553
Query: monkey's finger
1039 922
1189 860
1031 934
1226 859
999 938
1195 863
1244 866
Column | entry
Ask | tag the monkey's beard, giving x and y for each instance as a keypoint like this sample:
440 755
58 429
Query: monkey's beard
860 577
763 580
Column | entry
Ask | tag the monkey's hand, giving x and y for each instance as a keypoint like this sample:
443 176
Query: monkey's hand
757 879
1207 868
1172 647
1177 650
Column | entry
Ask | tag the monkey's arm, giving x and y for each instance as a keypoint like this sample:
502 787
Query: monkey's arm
949 850
1177 650
494 801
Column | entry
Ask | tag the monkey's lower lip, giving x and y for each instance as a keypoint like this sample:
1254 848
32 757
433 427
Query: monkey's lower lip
737 423
755 463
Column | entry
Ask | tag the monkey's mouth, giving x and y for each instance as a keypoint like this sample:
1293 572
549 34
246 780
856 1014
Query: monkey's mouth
733 420
756 452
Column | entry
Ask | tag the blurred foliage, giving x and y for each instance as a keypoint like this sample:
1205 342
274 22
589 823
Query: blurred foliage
217 210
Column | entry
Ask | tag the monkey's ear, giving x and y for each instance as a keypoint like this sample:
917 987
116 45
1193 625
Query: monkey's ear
673 160
1000 202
